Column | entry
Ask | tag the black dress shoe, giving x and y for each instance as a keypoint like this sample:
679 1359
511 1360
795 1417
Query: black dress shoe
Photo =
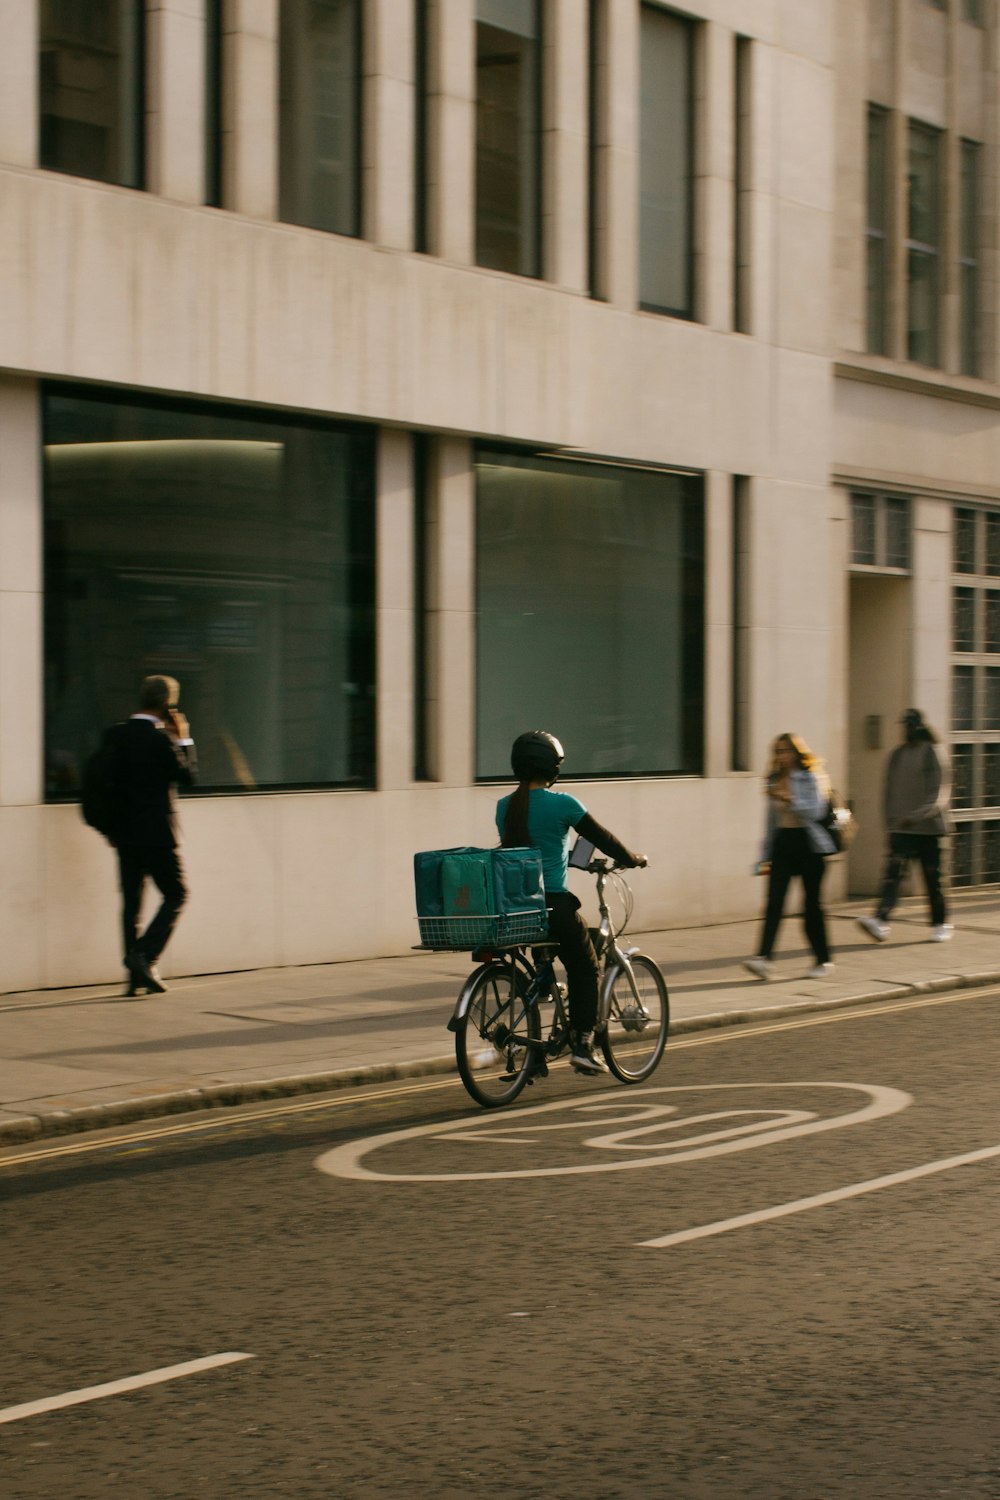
143 974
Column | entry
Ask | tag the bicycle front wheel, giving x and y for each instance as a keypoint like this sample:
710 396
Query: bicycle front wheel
492 1042
636 1032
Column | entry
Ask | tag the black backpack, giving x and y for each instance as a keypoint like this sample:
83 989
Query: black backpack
99 794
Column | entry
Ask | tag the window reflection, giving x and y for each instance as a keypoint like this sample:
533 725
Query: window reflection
508 135
590 604
91 89
320 137
666 162
232 551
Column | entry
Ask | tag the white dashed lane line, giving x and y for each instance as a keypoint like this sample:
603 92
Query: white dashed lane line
820 1200
119 1387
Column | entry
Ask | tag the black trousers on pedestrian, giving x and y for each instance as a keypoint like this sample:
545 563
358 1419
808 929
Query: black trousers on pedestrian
793 856
926 849
136 864
568 928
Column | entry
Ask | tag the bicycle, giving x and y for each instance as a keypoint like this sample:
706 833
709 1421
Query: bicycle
501 1040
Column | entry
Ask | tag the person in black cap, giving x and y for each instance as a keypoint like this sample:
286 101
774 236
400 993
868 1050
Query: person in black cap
915 804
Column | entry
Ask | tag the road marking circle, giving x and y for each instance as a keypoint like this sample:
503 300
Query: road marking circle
649 1114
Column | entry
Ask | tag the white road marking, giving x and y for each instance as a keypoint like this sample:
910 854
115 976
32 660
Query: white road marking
116 1387
602 1110
820 1200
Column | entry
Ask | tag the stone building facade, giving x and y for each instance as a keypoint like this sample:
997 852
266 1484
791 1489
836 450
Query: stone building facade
400 374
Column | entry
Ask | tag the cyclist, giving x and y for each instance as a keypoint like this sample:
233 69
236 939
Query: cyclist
536 817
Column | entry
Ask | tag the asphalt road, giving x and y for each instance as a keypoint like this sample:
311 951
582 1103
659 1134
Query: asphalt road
770 1274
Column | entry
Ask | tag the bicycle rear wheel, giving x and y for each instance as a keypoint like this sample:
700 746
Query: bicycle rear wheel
492 1038
636 1031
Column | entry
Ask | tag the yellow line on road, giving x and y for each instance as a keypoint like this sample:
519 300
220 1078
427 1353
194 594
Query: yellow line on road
215 1120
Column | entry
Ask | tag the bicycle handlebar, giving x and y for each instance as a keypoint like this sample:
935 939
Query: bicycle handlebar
609 867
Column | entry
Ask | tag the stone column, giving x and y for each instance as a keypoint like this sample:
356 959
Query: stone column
566 144
451 132
175 109
451 572
394 602
388 136
19 83
250 108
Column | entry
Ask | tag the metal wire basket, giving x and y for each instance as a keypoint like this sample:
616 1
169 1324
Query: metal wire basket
471 932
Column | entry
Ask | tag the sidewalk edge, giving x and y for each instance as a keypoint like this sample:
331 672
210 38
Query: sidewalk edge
33 1127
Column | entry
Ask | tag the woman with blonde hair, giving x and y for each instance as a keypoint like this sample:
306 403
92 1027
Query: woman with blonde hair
795 844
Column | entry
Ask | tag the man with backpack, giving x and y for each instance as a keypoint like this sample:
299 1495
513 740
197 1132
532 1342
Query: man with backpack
130 781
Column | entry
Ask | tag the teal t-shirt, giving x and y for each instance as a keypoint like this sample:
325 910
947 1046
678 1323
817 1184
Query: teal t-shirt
551 815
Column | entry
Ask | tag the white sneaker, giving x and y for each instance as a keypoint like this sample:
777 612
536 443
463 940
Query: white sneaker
762 967
942 934
821 971
874 928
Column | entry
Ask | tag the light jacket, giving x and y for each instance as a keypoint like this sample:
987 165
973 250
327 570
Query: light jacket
810 800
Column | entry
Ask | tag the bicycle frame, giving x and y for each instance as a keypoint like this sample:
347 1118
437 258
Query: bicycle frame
503 1042
539 974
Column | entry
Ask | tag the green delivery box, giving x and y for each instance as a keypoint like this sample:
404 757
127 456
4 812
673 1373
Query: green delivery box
467 897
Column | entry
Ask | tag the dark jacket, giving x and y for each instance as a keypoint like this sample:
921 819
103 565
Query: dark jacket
916 790
148 765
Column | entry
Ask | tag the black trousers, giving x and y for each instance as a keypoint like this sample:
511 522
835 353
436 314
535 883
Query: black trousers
568 928
792 856
136 864
926 849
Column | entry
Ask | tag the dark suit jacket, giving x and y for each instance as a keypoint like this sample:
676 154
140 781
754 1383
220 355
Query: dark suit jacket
148 765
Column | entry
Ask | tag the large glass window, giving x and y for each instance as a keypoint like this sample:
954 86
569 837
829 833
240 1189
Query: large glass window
666 163
233 550
877 232
923 244
320 114
91 89
590 614
508 135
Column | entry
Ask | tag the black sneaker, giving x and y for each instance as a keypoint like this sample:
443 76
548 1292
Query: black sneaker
583 1057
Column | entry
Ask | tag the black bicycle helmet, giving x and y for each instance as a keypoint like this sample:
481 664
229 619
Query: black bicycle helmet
535 754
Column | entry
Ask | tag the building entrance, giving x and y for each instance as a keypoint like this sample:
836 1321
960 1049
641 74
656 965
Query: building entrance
878 692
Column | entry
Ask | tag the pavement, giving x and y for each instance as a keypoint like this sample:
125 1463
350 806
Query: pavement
84 1059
